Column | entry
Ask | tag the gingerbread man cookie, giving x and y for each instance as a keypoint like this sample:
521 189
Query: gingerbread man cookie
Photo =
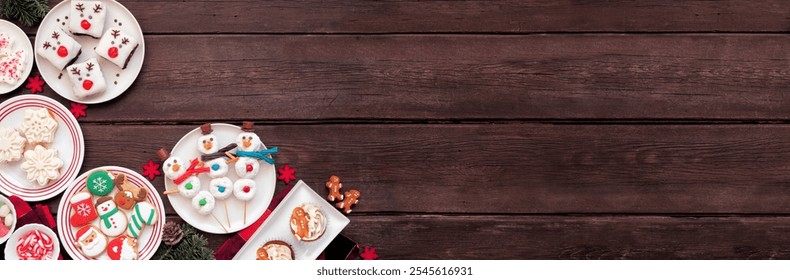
334 186
352 198
299 222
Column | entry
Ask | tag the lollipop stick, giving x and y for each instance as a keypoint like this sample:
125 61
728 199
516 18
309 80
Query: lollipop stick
220 223
227 215
245 212
168 192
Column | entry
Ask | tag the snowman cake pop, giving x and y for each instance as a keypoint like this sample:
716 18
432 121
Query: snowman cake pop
222 189
207 143
186 183
244 190
204 203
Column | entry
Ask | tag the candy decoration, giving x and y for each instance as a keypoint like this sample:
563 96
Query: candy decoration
264 155
35 245
100 183
204 203
221 153
192 170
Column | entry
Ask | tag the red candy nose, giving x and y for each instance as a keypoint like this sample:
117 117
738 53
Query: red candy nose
246 189
249 167
85 24
113 52
122 201
62 51
87 84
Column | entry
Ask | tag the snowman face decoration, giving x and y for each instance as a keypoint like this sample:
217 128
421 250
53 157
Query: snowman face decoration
248 142
174 167
207 144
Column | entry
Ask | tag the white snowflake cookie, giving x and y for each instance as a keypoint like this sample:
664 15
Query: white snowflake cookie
11 145
59 49
87 18
42 165
39 126
86 78
117 46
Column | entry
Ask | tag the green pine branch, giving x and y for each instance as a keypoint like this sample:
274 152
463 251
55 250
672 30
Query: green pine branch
28 12
193 247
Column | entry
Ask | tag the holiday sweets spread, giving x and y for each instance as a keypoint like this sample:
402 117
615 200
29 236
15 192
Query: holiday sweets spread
12 145
275 250
12 62
39 126
87 78
90 241
59 49
308 222
117 46
87 18
42 165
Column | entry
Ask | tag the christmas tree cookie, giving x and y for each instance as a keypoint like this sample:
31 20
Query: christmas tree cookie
87 18
86 78
117 46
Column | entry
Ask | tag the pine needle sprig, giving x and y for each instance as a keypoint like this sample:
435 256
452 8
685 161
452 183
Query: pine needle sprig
28 12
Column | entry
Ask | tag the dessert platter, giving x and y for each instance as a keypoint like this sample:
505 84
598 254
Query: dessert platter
89 51
300 228
219 177
41 147
111 213
16 57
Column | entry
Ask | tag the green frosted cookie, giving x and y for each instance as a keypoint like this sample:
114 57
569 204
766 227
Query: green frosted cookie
100 183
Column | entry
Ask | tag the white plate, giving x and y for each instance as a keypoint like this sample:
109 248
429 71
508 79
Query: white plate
68 141
149 239
10 247
117 80
21 42
5 200
186 149
278 226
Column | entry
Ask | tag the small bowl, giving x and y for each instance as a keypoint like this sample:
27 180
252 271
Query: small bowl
5 200
10 248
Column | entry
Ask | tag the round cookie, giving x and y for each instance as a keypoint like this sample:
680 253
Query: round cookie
100 183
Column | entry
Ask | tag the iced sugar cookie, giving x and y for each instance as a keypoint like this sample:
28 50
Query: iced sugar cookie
12 145
39 126
42 165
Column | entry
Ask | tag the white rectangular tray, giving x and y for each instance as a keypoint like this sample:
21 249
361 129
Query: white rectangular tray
277 226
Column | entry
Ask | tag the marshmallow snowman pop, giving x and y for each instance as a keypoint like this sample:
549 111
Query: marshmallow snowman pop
204 203
220 186
247 165
186 179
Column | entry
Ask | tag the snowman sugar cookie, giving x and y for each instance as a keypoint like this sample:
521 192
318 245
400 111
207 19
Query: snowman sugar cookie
112 222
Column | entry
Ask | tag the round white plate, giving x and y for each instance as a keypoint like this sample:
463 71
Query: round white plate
10 247
149 239
68 141
5 201
186 149
21 42
118 80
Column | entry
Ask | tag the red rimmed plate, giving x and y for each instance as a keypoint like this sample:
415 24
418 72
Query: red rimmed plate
151 236
68 141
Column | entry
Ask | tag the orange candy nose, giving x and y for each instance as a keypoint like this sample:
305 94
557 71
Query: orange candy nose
176 167
207 145
246 143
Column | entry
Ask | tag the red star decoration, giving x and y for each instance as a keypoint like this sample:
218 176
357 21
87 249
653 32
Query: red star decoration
151 170
369 253
78 110
35 84
286 174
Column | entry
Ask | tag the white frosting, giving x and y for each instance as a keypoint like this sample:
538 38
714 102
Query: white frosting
217 168
42 165
86 78
248 142
239 187
174 167
58 48
209 202
241 167
11 145
39 126
116 46
221 188
189 192
90 14
12 62
207 144
316 222
278 251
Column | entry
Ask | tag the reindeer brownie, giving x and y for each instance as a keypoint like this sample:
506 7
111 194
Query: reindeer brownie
117 46
87 18
87 78
59 49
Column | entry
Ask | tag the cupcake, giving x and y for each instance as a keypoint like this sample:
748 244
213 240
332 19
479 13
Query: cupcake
275 250
308 222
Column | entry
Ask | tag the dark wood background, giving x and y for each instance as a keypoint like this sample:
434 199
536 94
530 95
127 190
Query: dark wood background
520 129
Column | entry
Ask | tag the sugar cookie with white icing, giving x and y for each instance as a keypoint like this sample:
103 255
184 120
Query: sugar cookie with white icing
42 165
12 145
39 126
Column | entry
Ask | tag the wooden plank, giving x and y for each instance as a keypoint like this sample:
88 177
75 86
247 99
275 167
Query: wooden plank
512 168
558 237
316 78
402 16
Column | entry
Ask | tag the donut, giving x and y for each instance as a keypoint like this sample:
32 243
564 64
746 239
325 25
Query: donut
244 189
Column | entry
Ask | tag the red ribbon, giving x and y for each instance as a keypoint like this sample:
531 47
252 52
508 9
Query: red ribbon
191 171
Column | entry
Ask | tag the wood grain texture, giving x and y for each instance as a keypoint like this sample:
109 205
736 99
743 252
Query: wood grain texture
406 16
318 78
512 168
